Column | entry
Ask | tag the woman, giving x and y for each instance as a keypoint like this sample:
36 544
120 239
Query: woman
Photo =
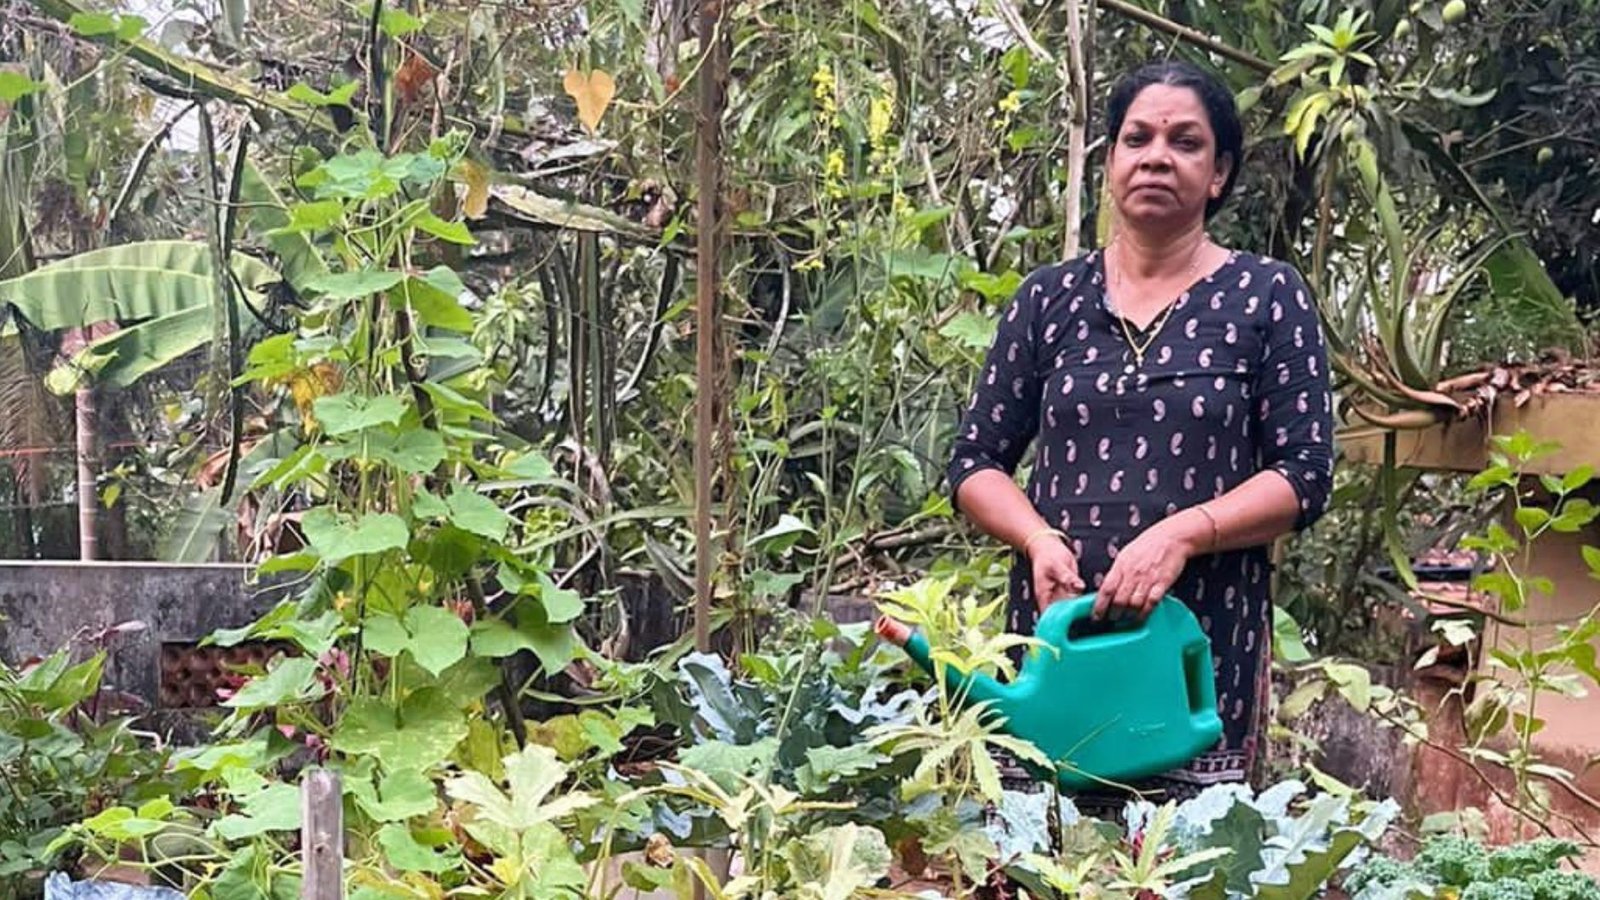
1177 396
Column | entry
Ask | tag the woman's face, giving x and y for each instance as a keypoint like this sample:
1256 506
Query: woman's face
1164 165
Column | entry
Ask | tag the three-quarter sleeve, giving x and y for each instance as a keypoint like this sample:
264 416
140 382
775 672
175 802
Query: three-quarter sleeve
1295 401
1003 416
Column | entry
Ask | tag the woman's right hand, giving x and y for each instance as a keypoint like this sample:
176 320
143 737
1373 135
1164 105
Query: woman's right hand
1055 572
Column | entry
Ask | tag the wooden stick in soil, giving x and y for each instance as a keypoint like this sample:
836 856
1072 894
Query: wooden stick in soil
708 134
322 835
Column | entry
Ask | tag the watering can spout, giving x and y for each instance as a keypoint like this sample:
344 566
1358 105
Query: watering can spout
976 687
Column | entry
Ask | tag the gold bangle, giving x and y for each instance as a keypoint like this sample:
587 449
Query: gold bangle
1041 533
1216 532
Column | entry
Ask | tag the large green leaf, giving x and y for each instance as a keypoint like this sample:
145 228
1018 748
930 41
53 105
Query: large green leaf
335 539
473 512
1307 877
57 686
360 283
843 859
126 283
420 734
412 450
406 854
292 680
436 637
1287 644
729 709
436 299
398 796
560 604
346 413
275 807
555 644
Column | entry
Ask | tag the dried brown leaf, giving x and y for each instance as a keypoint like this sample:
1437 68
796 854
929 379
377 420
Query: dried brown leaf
593 92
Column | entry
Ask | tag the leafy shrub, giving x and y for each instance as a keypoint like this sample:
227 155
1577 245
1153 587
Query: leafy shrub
61 759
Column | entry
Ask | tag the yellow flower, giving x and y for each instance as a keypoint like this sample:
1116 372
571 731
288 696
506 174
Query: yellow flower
902 206
834 167
823 79
880 116
824 89
1011 102
833 173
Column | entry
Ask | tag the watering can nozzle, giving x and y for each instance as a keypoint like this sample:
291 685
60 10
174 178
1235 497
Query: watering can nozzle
893 631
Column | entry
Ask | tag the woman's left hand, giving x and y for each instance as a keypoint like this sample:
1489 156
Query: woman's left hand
1143 572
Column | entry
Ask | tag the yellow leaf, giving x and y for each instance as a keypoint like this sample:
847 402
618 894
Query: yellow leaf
507 871
593 93
476 176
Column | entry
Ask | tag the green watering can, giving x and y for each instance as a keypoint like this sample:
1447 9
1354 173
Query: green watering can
1106 702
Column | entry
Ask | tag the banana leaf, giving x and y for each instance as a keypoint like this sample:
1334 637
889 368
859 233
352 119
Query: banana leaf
120 359
264 209
127 283
161 290
197 529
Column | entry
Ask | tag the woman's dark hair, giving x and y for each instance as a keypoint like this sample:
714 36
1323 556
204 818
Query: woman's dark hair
1214 97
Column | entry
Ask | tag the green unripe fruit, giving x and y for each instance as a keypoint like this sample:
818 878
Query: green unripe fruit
1455 12
1545 155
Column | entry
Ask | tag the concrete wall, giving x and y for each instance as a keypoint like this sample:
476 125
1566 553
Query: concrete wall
47 605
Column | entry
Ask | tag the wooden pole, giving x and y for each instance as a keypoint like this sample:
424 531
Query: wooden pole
708 133
322 836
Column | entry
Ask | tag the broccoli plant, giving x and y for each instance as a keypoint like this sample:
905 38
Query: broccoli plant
1459 867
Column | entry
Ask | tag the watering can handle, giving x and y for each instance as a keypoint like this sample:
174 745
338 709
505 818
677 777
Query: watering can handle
1200 678
1076 610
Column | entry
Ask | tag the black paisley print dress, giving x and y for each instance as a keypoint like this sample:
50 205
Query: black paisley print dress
1234 382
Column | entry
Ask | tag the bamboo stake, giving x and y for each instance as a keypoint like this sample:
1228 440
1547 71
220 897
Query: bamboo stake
88 432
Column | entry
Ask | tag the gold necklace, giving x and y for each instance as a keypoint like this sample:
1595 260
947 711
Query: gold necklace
1155 331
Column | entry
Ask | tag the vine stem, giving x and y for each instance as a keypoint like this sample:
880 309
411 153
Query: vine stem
1483 776
709 227
510 699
